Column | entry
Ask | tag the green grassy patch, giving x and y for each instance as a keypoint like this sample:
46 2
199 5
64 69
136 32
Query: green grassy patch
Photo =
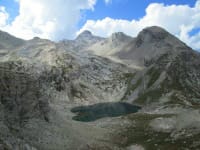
149 96
128 75
130 86
154 74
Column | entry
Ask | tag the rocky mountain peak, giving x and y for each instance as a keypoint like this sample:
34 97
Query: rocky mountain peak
155 29
119 36
36 38
85 34
82 41
152 34
8 41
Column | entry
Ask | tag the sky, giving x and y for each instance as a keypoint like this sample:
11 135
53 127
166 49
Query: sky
65 19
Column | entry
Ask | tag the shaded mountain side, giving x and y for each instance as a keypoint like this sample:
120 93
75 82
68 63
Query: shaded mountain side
9 42
167 80
21 96
22 100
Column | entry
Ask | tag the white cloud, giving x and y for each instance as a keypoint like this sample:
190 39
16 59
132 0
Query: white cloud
3 16
180 20
108 1
58 19
47 19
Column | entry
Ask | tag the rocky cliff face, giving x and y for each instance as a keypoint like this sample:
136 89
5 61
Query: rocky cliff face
42 80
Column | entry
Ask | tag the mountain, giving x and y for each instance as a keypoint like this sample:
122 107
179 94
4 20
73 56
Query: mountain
8 41
151 43
168 79
83 40
44 84
111 45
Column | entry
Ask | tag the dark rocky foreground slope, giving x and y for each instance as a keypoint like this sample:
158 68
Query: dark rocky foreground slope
43 82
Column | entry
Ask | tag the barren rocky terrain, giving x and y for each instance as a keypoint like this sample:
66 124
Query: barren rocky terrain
93 93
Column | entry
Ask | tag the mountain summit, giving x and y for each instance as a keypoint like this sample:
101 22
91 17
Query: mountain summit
151 43
152 34
8 41
84 34
120 36
82 41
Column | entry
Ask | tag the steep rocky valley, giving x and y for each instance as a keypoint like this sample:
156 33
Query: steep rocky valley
147 90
